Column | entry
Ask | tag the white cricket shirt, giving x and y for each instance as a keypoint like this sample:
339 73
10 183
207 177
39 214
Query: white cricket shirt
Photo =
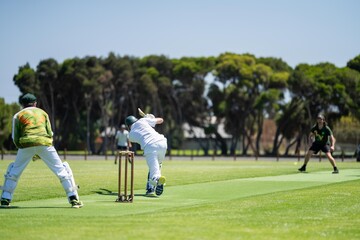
122 138
143 132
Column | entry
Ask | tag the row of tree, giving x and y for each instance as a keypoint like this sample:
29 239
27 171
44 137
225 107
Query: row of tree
85 96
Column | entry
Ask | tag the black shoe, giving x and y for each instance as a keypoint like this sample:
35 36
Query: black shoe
150 192
5 202
76 204
159 190
302 169
160 186
336 171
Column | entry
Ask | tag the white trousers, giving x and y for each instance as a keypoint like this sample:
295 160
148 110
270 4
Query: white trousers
51 158
155 154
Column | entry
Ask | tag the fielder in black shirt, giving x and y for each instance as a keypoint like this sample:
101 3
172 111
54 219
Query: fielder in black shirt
323 140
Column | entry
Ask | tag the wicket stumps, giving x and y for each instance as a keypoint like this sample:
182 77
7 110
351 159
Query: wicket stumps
123 176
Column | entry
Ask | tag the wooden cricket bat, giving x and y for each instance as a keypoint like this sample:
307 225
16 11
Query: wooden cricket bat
141 113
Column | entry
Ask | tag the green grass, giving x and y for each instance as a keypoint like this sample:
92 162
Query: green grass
203 199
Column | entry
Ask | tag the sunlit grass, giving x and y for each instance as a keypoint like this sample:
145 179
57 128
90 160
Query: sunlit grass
327 211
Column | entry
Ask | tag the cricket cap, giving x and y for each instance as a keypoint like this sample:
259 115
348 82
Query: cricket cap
27 99
130 120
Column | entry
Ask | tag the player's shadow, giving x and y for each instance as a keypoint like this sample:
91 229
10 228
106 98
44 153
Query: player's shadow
29 207
103 191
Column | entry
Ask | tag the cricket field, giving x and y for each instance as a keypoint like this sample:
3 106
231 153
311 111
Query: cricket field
202 199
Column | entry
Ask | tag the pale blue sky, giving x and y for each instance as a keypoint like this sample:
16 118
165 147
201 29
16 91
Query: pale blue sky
297 31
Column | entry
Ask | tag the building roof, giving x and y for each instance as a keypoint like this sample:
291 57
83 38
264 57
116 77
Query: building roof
198 132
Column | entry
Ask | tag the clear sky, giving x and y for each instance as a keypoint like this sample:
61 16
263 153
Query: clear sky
297 31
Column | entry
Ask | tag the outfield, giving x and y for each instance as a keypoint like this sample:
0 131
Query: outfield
203 199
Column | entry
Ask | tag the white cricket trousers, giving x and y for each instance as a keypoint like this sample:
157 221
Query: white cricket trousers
48 154
155 154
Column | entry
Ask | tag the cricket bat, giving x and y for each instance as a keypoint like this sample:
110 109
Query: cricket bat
141 113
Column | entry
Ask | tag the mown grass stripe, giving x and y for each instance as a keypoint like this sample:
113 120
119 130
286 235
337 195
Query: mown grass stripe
192 194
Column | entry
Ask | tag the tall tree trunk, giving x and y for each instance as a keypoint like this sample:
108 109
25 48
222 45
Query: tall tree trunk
222 143
289 146
260 122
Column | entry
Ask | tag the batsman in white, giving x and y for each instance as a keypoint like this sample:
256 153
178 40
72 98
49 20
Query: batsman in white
154 145
32 135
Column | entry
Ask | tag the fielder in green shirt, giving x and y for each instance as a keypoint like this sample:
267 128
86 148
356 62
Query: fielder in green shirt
323 140
33 136
31 127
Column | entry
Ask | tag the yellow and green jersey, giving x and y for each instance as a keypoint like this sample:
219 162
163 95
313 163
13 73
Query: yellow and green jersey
31 127
321 135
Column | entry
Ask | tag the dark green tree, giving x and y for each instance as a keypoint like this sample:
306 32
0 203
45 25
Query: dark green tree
47 75
189 101
26 80
252 91
6 113
354 63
